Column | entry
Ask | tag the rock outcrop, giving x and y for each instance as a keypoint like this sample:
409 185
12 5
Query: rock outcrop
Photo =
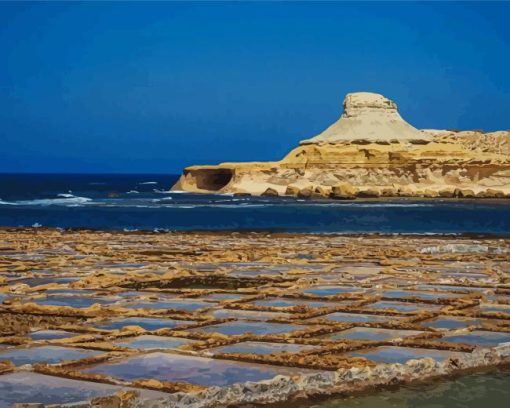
376 152
370 117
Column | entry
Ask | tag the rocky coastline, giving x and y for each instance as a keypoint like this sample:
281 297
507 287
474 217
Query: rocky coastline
370 152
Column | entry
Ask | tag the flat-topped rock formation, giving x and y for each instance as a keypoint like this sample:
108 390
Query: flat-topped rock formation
370 117
371 151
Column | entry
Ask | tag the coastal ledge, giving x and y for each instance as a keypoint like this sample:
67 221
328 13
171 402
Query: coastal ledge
370 152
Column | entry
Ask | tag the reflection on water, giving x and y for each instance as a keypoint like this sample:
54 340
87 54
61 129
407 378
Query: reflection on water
392 354
195 370
146 323
240 327
45 354
480 337
33 387
473 391
261 348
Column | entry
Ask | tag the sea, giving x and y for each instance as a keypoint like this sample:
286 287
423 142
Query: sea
144 202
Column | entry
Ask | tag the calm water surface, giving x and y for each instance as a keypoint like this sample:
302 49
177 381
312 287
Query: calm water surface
489 390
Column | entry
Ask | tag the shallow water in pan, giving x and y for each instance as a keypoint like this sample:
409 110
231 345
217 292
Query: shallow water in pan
366 333
74 301
240 327
357 317
401 306
146 323
177 304
331 290
148 342
479 337
33 387
256 347
296 302
195 370
391 354
248 314
450 323
51 334
45 354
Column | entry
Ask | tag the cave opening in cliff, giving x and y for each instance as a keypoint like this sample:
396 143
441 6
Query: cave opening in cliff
213 179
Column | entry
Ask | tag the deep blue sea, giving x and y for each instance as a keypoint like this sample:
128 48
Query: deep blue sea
143 202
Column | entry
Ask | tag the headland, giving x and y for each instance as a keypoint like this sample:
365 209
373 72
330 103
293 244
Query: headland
371 151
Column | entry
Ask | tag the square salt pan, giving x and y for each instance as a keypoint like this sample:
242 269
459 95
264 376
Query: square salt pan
194 370
393 354
45 354
33 387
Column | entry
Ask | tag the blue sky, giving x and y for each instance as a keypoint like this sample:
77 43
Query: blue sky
153 87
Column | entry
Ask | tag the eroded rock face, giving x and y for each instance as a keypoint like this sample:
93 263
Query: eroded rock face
377 152
370 117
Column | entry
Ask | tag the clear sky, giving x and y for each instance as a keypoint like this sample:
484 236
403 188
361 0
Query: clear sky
152 87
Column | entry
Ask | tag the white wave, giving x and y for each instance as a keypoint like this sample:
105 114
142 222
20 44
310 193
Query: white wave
133 192
66 195
371 205
64 199
162 200
147 182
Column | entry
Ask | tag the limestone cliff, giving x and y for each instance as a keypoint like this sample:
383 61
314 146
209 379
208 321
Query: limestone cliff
370 152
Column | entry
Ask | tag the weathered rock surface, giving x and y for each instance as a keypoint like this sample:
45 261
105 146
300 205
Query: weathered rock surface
376 151
344 191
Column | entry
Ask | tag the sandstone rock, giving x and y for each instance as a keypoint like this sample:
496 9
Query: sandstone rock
270 192
491 193
369 117
430 193
388 192
463 193
447 192
344 191
292 190
321 192
405 191
369 193
305 192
